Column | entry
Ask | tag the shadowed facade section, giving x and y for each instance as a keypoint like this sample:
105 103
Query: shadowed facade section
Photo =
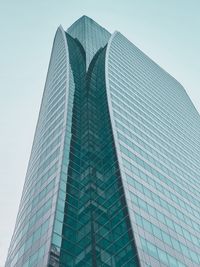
113 176
96 229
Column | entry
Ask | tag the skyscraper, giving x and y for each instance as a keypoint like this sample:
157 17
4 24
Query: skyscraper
113 177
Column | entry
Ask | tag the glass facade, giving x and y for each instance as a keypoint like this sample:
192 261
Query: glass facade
156 129
31 240
113 177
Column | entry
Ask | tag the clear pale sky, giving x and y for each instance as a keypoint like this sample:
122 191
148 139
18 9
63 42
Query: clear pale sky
167 31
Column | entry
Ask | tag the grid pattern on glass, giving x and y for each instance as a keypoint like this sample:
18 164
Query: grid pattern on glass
92 227
31 239
158 154
90 35
113 177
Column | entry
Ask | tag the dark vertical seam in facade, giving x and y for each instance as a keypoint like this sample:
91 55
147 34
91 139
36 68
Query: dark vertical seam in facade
119 180
88 77
85 93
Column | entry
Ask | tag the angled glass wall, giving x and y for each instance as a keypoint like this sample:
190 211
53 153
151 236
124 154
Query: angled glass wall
113 176
92 227
31 240
156 129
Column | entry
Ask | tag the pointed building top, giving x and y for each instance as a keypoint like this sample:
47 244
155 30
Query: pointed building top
90 34
85 19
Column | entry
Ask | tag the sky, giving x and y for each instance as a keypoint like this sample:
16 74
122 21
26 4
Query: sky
167 31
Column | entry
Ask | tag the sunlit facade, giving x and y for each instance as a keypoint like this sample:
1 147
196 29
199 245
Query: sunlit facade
113 177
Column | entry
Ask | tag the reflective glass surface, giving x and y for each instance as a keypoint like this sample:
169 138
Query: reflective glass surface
31 239
156 131
113 176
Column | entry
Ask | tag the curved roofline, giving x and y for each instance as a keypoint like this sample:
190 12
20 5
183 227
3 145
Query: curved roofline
85 18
